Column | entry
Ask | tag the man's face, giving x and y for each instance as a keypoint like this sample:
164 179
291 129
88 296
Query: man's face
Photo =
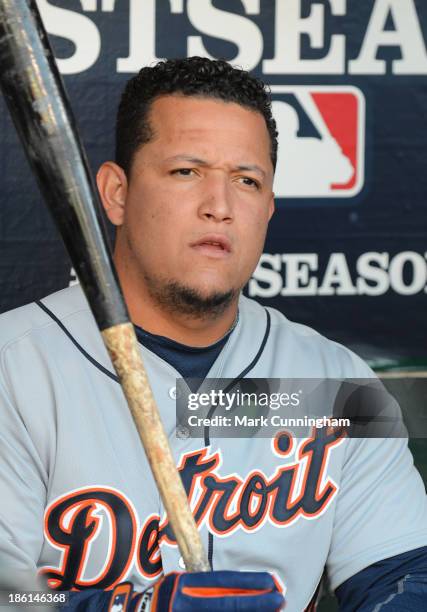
199 196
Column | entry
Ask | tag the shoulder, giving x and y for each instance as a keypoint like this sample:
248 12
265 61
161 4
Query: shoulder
32 323
309 353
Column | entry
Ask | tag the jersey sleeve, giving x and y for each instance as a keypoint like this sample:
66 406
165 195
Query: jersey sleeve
381 508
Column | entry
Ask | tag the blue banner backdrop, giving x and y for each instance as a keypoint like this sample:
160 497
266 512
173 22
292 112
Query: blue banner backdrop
346 252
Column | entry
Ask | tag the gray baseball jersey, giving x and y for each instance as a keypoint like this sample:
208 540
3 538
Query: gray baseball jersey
79 503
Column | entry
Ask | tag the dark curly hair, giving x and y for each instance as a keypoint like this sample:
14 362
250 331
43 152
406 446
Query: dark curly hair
193 76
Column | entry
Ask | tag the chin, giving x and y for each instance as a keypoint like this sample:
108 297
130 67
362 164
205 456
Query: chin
208 293
197 301
209 285
193 297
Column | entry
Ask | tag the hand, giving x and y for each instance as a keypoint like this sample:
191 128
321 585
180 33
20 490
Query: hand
222 591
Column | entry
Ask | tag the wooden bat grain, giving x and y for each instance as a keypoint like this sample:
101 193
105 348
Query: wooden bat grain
124 352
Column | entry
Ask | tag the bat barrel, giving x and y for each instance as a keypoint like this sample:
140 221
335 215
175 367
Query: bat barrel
35 95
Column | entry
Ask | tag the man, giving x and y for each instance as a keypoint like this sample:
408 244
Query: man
191 196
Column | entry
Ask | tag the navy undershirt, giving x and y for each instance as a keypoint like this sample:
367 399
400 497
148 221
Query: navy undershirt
402 579
189 361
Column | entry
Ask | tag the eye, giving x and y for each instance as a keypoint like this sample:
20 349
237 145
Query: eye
250 182
183 172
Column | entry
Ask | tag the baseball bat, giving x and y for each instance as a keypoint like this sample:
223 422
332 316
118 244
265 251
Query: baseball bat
35 95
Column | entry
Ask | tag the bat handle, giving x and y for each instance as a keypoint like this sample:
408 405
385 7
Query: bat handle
123 348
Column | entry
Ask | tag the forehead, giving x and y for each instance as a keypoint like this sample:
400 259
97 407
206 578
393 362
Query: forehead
210 127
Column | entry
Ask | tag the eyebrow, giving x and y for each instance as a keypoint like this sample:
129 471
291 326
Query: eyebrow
202 162
252 168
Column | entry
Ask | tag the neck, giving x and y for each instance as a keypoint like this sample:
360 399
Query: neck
146 312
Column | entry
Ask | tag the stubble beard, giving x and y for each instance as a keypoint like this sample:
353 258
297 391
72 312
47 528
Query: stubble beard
176 298
179 299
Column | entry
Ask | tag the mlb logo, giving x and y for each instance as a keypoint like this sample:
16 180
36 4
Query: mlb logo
321 141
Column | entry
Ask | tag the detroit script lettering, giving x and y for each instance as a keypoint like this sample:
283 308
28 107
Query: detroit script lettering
72 521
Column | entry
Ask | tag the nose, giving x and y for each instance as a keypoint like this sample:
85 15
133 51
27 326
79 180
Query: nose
215 202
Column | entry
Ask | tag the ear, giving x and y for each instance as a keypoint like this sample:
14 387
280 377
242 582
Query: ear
112 186
271 206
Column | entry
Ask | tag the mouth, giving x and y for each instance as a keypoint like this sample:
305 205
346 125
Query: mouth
213 245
